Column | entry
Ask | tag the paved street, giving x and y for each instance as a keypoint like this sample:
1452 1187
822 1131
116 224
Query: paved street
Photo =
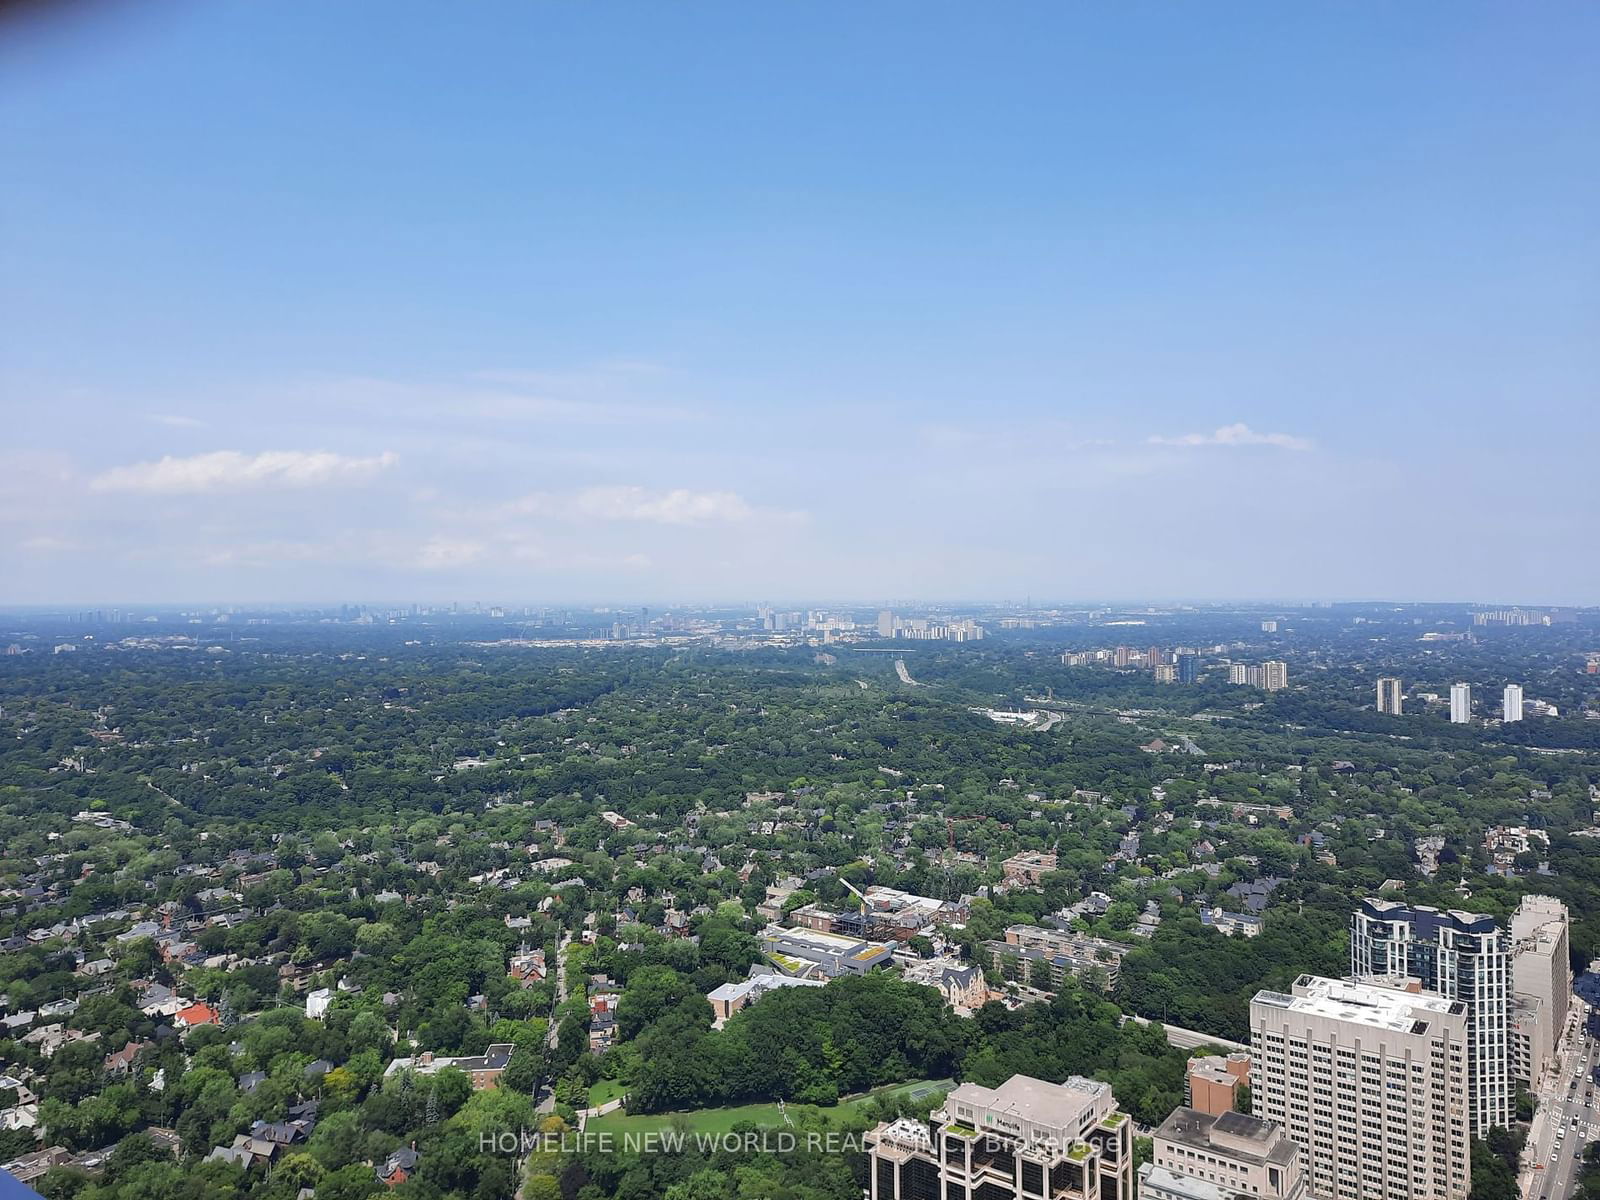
547 1097
1555 1145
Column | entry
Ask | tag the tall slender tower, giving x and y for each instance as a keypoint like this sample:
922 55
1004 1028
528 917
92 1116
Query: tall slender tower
1511 703
1458 955
1460 704
1391 695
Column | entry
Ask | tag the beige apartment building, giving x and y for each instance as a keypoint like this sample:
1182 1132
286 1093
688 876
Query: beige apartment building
1541 978
1371 1081
1025 1140
1027 868
1198 1156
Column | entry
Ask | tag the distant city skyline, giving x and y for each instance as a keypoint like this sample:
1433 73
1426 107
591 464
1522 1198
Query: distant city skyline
1118 610
672 305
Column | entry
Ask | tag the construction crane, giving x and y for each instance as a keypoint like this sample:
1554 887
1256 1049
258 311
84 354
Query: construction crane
950 829
865 908
949 886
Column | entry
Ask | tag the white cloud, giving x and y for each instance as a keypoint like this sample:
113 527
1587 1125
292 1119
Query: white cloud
441 553
175 421
45 544
625 396
229 470
599 377
274 554
559 558
674 506
1238 434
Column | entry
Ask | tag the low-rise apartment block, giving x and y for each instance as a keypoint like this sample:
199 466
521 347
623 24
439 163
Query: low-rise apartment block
1196 1153
1211 1083
1062 951
484 1069
1028 868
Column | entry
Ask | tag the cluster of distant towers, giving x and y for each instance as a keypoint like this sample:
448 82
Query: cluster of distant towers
1392 694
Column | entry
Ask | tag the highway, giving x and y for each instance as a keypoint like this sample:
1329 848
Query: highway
1567 1117
1189 1039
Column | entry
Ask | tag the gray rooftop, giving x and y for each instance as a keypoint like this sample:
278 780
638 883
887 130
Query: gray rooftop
1235 1134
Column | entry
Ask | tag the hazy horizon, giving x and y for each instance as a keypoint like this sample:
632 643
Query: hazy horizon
664 303
908 606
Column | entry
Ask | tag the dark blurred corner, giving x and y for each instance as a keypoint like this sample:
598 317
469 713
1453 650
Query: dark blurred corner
23 15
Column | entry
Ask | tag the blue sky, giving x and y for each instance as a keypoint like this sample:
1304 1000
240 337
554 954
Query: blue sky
679 301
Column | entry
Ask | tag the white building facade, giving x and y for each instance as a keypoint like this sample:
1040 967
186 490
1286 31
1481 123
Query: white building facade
1371 1082
1460 956
1511 703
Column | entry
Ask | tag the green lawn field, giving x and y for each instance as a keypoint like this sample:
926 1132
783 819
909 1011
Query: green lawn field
722 1120
605 1091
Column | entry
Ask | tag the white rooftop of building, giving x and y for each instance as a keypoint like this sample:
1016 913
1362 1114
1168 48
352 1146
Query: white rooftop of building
888 897
1160 1182
909 1134
832 943
1036 1101
1539 919
1362 1003
758 984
